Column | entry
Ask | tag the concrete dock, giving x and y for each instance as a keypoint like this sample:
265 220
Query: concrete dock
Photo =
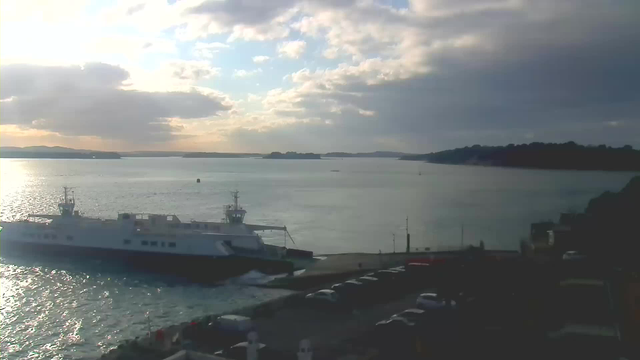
338 267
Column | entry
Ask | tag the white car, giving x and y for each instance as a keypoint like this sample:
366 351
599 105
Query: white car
411 315
431 301
324 295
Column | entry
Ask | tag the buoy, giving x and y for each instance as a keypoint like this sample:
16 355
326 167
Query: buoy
198 180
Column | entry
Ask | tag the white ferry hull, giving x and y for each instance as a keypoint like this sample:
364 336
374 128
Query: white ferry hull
203 250
200 268
202 258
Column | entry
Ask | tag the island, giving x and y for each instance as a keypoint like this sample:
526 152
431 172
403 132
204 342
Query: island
537 155
55 152
292 155
375 154
153 153
215 155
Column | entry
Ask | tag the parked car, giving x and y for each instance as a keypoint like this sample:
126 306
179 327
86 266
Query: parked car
412 315
353 282
395 321
395 338
431 301
347 289
367 280
337 287
229 329
324 296
421 271
386 274
394 330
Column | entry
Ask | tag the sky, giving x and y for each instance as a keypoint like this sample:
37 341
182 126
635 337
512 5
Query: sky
318 75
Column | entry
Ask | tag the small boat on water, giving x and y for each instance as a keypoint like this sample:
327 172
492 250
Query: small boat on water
202 250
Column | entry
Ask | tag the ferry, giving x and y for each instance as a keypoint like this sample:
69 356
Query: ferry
203 250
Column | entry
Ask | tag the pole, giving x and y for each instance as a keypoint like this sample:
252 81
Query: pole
461 235
408 237
149 324
394 243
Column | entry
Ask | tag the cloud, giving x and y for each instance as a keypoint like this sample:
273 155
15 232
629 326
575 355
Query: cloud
89 101
260 59
461 72
431 74
192 70
248 20
134 9
292 49
245 73
250 12
207 50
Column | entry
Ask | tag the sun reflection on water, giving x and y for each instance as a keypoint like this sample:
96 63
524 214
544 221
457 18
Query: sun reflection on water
14 180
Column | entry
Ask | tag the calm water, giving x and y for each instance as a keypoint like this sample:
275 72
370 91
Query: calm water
66 309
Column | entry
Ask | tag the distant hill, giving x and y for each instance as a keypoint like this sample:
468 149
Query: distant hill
292 155
153 154
570 156
217 155
50 149
375 154
55 152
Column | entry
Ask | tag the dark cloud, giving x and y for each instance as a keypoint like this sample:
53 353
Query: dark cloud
248 12
557 77
88 101
258 12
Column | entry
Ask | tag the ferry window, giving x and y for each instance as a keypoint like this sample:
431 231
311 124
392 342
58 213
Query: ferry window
54 236
197 226
126 241
32 235
186 226
137 223
206 226
162 244
46 236
154 243
144 242
38 236
216 228
172 244
69 238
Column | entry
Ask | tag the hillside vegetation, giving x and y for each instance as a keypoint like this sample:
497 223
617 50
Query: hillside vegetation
540 156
